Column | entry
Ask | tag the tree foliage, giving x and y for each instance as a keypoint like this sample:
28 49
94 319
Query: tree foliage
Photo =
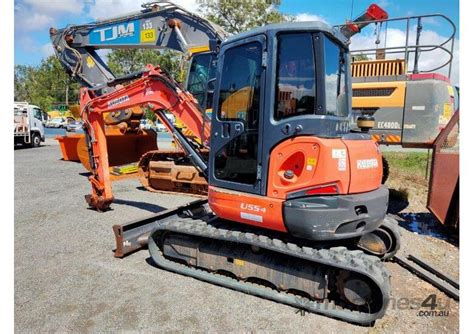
237 16
124 61
359 57
44 84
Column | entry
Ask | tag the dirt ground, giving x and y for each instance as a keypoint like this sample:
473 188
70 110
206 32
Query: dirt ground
409 188
67 280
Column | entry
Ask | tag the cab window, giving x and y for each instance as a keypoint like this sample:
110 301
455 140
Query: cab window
296 78
37 113
239 89
335 79
239 100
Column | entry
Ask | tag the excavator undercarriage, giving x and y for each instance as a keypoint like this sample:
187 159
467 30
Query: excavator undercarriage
341 280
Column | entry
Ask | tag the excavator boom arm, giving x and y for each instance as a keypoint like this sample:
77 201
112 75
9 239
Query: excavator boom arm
159 24
156 91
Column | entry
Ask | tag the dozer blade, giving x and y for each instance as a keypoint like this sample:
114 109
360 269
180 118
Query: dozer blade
133 236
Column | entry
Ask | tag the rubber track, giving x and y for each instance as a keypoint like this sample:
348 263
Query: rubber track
337 257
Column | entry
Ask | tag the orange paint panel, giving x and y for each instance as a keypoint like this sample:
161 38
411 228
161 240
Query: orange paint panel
247 209
313 161
366 165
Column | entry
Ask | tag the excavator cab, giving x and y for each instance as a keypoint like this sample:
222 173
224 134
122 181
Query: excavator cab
282 152
256 107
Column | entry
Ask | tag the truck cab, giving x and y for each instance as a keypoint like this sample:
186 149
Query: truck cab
28 124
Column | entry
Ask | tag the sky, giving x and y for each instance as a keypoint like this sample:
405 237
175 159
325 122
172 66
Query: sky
33 18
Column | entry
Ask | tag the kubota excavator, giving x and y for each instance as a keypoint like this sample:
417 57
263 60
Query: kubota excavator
295 210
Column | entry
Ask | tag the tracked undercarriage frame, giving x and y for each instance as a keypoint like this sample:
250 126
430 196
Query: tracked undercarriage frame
343 282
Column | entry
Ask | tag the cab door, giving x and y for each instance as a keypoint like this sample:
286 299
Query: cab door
235 156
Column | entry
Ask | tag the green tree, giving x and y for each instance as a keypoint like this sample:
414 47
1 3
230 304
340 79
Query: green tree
236 16
360 56
44 84
22 73
124 61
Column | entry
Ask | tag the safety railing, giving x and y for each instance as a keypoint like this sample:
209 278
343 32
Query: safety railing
413 48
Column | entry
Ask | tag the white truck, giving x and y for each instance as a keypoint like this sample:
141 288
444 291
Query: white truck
28 124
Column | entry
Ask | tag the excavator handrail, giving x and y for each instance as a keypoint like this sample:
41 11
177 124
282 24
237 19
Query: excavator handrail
418 47
394 50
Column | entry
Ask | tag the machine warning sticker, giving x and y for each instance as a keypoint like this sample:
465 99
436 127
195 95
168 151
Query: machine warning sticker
310 164
338 153
239 262
149 91
446 115
90 62
451 91
148 36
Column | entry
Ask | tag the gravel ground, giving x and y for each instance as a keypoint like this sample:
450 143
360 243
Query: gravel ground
67 280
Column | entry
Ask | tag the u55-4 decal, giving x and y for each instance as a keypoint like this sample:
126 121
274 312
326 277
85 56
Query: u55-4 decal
252 207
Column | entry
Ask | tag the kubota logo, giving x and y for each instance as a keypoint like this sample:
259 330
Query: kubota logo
367 163
114 32
118 100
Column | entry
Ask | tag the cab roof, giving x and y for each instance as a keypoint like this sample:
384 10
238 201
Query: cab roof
274 28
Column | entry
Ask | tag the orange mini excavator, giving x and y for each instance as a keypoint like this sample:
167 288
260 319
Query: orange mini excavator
295 212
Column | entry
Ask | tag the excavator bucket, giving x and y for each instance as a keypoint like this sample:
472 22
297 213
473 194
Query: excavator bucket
75 110
122 148
68 145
